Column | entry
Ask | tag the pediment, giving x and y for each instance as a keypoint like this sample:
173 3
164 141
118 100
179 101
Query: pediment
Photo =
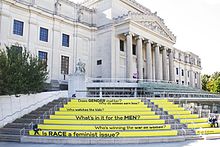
156 27
152 22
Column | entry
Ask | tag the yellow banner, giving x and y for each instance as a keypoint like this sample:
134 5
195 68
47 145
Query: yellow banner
208 131
167 106
103 113
198 120
198 125
108 117
185 116
69 105
103 122
104 100
104 103
174 109
101 127
179 112
78 134
104 109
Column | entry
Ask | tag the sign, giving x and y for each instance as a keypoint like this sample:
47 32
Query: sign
92 134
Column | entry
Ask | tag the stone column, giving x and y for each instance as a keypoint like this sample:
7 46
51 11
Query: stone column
157 62
129 56
199 81
191 78
164 58
139 58
55 71
171 66
148 60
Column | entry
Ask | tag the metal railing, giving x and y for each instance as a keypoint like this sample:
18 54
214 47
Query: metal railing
183 132
124 80
42 117
22 132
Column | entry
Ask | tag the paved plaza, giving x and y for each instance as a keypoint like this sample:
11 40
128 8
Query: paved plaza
199 143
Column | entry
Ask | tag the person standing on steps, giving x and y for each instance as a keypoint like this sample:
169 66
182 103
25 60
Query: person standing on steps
215 121
36 129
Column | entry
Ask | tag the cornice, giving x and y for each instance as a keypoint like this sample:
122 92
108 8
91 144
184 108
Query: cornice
132 3
131 22
148 17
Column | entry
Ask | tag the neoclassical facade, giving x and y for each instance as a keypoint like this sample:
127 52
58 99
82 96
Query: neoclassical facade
114 38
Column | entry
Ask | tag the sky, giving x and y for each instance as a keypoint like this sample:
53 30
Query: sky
195 23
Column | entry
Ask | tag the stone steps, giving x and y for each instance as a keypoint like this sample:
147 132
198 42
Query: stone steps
11 131
9 138
18 125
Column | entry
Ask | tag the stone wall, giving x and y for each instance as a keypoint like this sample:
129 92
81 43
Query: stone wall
12 107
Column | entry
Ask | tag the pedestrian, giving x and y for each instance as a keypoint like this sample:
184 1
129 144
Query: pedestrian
215 121
210 121
36 129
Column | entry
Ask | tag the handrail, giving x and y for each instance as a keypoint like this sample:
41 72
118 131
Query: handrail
118 80
201 131
22 132
183 131
30 106
30 126
38 120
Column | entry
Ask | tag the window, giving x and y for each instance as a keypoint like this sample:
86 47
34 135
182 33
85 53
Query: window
64 65
43 34
177 71
183 82
122 46
188 74
188 83
18 27
182 72
195 75
42 56
134 49
99 62
177 81
65 40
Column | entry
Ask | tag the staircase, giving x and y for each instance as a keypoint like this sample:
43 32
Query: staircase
11 132
55 117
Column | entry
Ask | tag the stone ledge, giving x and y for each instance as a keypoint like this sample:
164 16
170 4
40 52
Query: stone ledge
56 140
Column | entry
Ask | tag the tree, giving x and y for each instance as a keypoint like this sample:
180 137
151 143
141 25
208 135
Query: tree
20 72
211 83
215 76
205 80
210 86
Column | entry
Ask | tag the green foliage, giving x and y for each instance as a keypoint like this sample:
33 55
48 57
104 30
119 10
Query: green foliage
211 83
20 72
205 80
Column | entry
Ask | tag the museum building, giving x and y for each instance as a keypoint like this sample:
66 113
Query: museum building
116 39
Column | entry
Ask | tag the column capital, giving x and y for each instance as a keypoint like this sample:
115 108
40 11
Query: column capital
129 33
156 45
139 37
148 41
170 50
165 48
